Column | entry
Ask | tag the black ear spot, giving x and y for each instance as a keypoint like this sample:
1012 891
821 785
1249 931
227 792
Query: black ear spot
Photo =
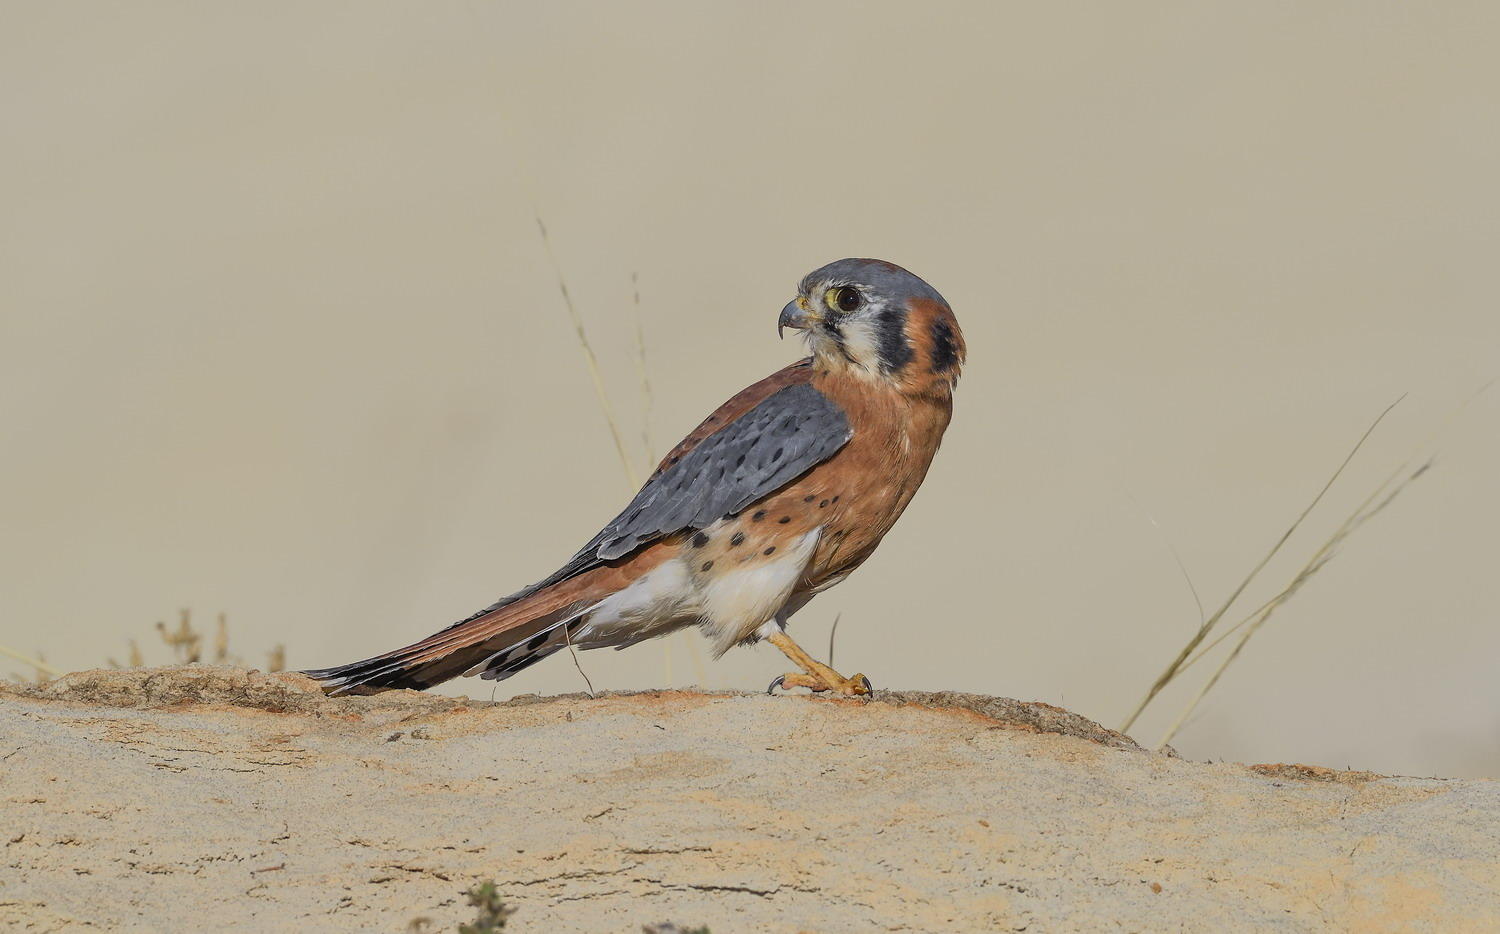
944 347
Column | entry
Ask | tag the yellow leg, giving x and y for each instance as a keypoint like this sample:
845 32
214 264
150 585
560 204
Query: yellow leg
815 676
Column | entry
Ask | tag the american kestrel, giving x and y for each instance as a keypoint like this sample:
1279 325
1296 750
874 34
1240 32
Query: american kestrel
778 495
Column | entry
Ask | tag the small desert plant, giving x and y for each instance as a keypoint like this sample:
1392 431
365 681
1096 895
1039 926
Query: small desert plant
490 910
185 641
187 645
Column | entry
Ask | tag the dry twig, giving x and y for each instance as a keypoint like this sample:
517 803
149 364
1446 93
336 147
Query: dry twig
1174 668
588 357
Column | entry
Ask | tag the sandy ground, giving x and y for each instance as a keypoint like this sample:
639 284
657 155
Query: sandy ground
177 799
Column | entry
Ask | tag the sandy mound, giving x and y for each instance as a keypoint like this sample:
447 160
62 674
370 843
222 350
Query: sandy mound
190 798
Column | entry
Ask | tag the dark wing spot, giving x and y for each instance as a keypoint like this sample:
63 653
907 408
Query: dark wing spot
737 539
769 550
944 348
699 540
809 497
834 500
707 565
784 520
823 504
758 515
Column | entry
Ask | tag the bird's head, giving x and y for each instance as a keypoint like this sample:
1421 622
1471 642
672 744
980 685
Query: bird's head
878 321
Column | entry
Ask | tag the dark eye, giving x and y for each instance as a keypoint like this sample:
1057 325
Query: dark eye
847 299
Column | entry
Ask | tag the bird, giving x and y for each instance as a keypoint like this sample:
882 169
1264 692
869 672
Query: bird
778 495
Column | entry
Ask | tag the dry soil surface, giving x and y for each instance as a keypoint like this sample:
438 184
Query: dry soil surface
197 798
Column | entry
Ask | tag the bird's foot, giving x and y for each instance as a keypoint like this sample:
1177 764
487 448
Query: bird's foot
825 680
815 676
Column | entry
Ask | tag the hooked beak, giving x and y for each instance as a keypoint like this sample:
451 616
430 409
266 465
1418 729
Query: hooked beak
796 316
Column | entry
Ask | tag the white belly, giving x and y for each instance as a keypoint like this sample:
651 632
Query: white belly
730 604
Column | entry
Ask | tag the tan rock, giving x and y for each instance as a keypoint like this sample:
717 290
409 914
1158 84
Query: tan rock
183 799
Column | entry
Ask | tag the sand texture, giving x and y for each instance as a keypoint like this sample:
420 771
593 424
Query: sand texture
198 798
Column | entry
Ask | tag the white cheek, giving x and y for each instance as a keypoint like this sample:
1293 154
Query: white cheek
861 343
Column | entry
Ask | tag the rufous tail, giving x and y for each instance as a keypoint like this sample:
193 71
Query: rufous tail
494 643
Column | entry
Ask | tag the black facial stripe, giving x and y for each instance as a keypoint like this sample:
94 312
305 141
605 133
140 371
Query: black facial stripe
944 348
891 346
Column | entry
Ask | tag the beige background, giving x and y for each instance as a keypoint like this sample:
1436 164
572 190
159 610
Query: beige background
278 336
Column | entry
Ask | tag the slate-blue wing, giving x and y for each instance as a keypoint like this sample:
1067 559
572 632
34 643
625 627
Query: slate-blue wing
786 435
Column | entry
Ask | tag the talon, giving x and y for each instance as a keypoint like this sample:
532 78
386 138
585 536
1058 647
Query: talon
815 676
